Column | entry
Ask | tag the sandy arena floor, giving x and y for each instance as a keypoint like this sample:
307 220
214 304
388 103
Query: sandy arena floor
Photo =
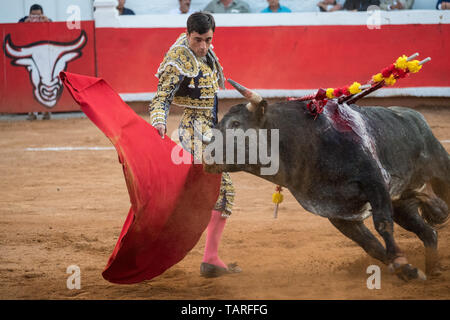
62 208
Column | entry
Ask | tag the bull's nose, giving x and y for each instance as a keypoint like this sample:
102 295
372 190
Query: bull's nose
48 92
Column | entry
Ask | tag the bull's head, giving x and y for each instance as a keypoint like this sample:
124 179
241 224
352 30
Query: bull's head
241 141
44 61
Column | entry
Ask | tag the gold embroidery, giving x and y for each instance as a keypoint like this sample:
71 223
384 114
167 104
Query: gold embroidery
168 84
207 92
178 63
180 56
193 103
202 120
204 82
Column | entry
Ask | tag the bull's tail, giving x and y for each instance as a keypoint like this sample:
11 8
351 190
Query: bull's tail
434 210
440 182
440 178
441 188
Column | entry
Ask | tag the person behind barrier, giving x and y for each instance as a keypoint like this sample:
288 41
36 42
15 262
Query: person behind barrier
37 15
122 10
227 6
274 6
360 5
190 76
184 7
396 4
330 5
443 5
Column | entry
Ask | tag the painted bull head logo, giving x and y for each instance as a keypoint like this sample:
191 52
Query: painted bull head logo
44 61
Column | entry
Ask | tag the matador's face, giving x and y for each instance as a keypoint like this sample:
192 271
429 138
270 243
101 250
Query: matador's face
200 43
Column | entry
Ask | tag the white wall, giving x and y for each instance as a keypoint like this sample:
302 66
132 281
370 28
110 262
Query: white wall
164 6
12 10
152 6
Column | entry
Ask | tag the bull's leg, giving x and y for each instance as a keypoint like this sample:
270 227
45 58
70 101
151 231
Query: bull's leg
382 214
406 214
358 232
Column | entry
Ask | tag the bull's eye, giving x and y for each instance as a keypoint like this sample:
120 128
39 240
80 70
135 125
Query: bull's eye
235 124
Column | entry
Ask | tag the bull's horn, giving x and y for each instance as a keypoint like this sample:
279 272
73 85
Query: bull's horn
13 51
250 95
206 140
77 43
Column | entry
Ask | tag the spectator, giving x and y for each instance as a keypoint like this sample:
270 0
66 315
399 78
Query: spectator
443 5
330 5
122 10
36 15
184 7
360 5
227 6
396 4
274 6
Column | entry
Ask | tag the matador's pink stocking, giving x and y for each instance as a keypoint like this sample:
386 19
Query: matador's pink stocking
213 236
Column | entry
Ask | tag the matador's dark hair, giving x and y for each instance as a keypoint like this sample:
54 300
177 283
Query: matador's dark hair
200 22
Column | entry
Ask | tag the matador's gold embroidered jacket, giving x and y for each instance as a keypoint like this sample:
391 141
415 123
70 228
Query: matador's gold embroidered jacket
192 83
186 81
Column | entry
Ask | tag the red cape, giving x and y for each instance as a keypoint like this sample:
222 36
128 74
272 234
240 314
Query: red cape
170 204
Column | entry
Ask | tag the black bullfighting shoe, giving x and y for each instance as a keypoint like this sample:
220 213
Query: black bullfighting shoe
208 270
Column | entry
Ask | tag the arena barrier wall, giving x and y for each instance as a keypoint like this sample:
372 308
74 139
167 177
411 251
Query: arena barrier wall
285 54
278 55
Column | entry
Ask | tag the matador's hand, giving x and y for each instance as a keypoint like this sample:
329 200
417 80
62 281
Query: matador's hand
161 129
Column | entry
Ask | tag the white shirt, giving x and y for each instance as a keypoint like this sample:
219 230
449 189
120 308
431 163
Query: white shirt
331 6
178 11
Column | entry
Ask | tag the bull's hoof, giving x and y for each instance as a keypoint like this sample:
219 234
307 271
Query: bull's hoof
432 266
407 272
435 272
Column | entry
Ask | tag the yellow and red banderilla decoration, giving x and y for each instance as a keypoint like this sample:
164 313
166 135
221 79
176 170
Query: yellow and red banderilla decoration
388 76
277 198
349 94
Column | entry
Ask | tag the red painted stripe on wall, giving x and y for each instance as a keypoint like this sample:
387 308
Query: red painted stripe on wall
267 57
294 57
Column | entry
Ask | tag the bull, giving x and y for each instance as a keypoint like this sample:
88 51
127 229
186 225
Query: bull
351 163
44 60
